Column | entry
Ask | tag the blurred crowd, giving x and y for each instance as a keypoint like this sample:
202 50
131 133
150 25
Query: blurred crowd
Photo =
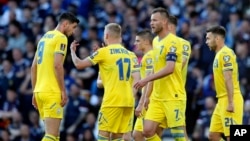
23 22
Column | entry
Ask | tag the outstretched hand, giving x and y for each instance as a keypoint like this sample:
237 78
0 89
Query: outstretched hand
140 84
73 46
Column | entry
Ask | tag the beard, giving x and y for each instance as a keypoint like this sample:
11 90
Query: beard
157 30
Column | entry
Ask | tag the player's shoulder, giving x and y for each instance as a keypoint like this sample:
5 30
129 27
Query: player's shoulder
150 53
184 41
131 53
226 51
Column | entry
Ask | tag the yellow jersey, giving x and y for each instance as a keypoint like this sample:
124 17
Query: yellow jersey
186 51
115 66
170 87
225 59
52 42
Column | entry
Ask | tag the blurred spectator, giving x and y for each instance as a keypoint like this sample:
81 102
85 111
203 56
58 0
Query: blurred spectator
12 12
243 59
20 65
5 52
6 77
15 125
246 117
50 23
87 135
75 110
30 51
24 134
25 96
35 127
16 37
4 135
201 129
86 74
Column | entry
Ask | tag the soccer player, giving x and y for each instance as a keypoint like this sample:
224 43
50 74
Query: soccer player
115 66
47 75
186 51
229 109
143 42
135 77
168 95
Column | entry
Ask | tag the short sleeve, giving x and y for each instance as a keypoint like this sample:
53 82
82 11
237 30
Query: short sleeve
149 63
226 61
97 56
172 50
135 66
61 44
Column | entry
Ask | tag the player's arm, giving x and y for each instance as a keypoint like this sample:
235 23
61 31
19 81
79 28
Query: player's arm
79 64
136 78
33 72
186 54
99 81
59 70
227 68
229 87
33 79
167 70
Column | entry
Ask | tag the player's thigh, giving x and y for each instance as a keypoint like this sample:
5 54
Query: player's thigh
154 117
39 105
175 113
127 120
139 124
114 119
216 124
51 105
235 117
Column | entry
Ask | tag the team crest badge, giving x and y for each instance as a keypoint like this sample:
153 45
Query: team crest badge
226 58
149 61
135 61
185 47
58 111
173 49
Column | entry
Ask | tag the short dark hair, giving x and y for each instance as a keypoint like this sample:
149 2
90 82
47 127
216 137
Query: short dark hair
162 11
219 30
145 34
68 16
173 20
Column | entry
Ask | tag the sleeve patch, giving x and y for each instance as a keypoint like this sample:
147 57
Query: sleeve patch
149 67
93 55
227 64
185 53
62 47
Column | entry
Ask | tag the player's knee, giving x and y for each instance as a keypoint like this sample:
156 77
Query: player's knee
137 136
147 132
214 136
127 137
